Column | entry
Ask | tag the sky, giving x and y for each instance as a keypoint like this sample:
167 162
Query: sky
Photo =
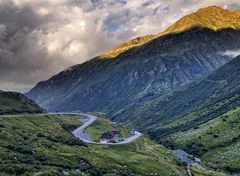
39 38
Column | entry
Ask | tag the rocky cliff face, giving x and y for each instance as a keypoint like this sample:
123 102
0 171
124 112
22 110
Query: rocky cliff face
140 74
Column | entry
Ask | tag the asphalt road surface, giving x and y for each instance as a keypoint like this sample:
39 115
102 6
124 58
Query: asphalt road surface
82 135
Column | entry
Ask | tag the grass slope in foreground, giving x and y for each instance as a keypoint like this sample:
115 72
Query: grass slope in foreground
43 145
16 103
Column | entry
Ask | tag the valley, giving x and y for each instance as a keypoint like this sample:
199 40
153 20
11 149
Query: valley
167 86
166 104
217 141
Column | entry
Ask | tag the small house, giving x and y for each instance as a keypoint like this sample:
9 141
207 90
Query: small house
115 124
110 136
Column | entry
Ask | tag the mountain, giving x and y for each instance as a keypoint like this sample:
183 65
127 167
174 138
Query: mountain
16 103
143 73
213 17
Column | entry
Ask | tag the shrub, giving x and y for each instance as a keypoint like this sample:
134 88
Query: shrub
196 149
10 147
24 150
235 139
25 138
40 134
41 158
28 159
69 127
68 141
14 169
53 139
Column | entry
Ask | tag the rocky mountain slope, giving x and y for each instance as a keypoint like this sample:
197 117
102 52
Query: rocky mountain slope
15 103
190 105
139 74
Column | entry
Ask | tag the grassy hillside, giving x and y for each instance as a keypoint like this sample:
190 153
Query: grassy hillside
15 103
42 145
199 172
217 141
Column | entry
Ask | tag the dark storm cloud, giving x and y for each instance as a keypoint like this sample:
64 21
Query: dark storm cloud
40 38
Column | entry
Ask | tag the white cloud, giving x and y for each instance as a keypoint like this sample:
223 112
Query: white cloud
231 53
40 38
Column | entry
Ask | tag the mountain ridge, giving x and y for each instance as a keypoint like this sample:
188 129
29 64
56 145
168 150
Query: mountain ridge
210 14
16 103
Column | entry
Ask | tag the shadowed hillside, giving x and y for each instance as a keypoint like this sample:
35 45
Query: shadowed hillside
16 103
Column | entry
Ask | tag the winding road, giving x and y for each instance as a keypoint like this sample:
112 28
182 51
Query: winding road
85 137
82 135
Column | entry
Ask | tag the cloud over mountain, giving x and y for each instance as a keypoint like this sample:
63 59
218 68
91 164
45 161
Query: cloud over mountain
40 38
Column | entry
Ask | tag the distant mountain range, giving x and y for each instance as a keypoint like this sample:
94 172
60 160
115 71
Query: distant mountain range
16 103
171 86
